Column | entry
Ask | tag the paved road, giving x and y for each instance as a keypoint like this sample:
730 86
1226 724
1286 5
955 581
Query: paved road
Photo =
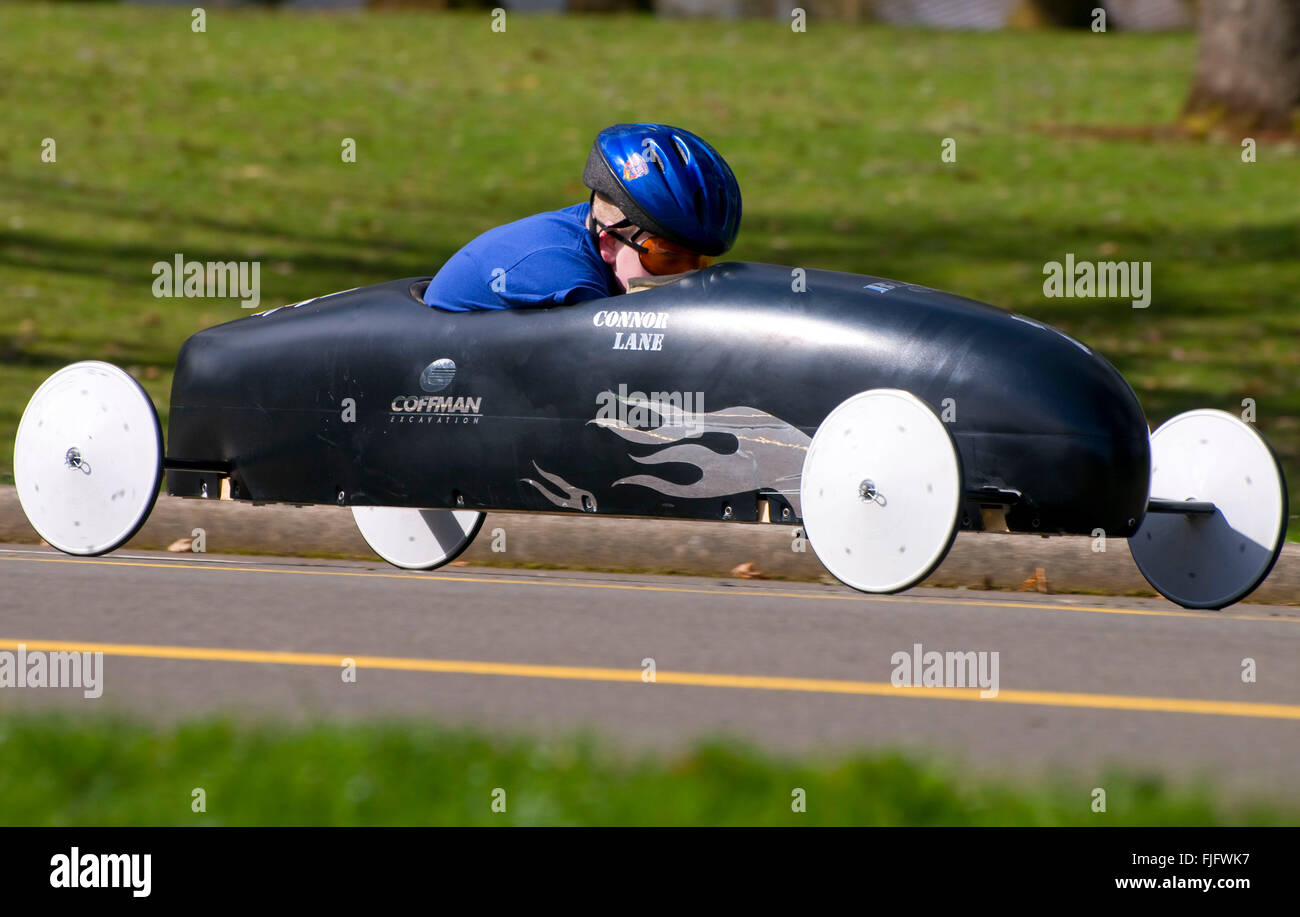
1083 681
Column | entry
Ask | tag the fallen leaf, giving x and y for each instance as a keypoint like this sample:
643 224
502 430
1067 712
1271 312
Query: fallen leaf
1036 582
747 570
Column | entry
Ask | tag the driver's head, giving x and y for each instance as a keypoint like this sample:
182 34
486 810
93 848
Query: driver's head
663 200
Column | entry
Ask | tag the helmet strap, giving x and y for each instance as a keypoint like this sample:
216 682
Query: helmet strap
596 227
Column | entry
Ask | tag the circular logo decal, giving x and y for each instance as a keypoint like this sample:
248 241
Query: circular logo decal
437 375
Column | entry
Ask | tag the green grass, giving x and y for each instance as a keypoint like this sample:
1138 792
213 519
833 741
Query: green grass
77 771
225 145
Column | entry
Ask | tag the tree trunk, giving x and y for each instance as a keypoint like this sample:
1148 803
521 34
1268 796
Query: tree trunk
1248 69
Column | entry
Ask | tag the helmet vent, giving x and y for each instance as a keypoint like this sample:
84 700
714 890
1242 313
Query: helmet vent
679 147
655 155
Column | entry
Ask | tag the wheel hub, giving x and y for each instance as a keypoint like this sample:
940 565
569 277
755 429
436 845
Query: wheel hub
72 458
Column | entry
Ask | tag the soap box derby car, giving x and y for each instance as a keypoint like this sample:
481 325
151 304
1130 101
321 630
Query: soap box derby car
880 416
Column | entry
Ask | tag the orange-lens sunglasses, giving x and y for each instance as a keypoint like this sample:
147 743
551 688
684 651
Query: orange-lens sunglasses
658 255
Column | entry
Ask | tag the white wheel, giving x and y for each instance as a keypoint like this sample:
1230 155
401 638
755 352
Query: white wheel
417 539
88 458
881 491
1210 561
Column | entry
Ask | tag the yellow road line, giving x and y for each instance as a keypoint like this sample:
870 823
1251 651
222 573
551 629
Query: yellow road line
638 587
690 679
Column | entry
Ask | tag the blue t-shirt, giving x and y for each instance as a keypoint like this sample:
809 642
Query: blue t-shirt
548 259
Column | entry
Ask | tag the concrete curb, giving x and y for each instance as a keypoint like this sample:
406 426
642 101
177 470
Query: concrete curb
980 561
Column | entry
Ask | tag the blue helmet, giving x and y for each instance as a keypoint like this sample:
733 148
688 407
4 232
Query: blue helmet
669 182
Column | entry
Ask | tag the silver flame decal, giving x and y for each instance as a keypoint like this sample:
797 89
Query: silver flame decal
769 454
565 495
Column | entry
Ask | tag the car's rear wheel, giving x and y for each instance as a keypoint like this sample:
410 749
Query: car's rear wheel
881 491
